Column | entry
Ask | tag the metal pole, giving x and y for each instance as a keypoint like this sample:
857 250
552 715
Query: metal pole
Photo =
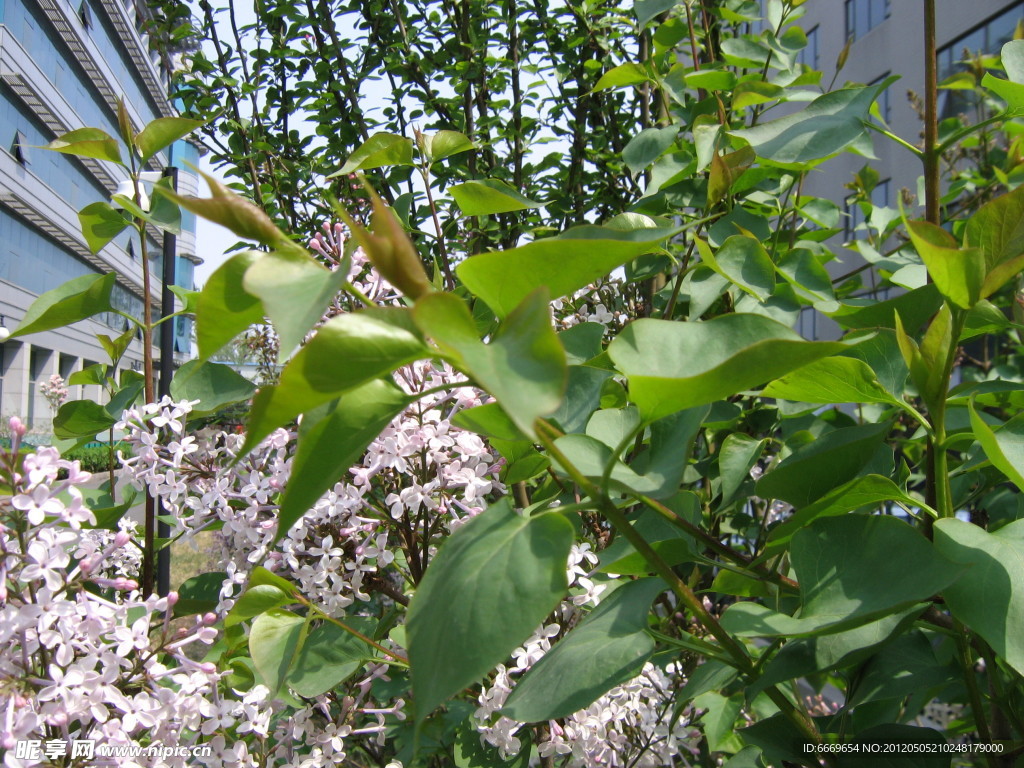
163 531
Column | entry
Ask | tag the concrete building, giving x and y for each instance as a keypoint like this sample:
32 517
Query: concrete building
62 65
887 38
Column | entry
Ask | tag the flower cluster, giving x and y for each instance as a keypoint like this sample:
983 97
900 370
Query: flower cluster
55 391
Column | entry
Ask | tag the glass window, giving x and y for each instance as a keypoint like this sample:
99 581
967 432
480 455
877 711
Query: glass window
19 148
809 55
864 15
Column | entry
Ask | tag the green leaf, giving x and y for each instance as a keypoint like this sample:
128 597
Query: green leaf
295 290
490 421
743 261
199 594
608 648
869 490
913 307
827 125
236 213
93 374
380 150
671 544
989 597
647 146
903 667
719 719
224 308
958 273
163 132
997 228
164 213
491 583
330 655
711 79
261 575
214 385
816 468
582 397
563 264
646 10
487 196
332 445
188 298
75 300
737 456
273 642
523 367
125 397
1010 92
582 342
851 569
256 600
88 142
100 224
622 76
347 351
447 143
1005 448
831 380
672 366
81 418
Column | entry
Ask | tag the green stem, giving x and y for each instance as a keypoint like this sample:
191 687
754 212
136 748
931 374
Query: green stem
890 135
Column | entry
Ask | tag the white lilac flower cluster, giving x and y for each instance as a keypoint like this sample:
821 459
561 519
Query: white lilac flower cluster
82 655
631 725
86 660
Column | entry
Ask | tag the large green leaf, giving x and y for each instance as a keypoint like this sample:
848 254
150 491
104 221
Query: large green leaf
957 272
831 380
869 490
523 367
332 445
163 132
672 365
273 641
75 300
81 418
100 224
295 290
997 228
490 585
563 264
380 150
827 125
88 142
816 468
330 655
487 196
913 307
851 570
214 385
607 649
901 668
743 261
447 143
224 308
989 597
582 397
257 599
347 351
622 75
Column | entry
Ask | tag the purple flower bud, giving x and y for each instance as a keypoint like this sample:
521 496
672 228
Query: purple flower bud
122 538
172 599
17 426
209 619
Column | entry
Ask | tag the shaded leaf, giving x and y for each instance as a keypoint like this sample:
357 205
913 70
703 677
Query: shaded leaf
489 586
100 224
224 308
488 196
214 385
380 150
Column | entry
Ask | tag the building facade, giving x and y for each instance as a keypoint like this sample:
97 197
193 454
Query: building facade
887 38
63 64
